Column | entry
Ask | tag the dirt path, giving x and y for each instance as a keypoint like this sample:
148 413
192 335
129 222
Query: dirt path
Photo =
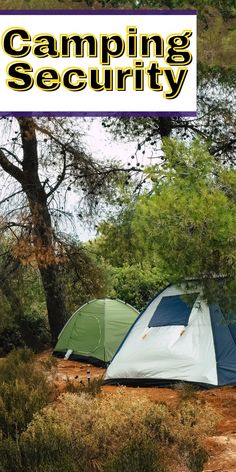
221 447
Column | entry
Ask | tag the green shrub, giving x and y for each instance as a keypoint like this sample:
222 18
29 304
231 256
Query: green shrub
195 456
14 364
10 338
23 391
112 433
34 331
30 331
10 455
136 456
193 421
47 444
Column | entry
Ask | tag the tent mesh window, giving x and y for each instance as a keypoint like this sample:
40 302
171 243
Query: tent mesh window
173 310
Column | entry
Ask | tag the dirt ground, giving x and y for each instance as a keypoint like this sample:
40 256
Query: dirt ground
221 447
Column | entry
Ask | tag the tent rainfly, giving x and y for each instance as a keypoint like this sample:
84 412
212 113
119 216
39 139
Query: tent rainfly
178 337
95 330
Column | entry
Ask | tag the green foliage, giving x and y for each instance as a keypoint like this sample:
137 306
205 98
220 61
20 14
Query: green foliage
5 314
190 219
10 338
83 277
10 455
23 309
23 391
28 285
116 242
136 456
196 457
48 445
184 227
137 284
34 331
89 434
31 331
216 44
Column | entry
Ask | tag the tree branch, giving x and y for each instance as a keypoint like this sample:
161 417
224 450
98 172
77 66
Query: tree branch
10 196
60 179
65 146
10 168
11 154
12 224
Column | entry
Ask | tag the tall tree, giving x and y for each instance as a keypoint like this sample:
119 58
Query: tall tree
43 158
28 178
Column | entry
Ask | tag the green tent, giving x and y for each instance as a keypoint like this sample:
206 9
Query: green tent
95 331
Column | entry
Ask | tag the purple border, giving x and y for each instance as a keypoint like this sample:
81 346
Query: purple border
100 114
98 12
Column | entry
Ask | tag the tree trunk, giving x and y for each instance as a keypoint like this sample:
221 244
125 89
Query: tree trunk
27 174
46 258
165 126
43 238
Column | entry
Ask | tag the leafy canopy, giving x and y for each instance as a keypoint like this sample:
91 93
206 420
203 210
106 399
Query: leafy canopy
186 223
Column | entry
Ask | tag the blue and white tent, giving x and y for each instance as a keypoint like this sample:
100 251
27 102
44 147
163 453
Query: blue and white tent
178 337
